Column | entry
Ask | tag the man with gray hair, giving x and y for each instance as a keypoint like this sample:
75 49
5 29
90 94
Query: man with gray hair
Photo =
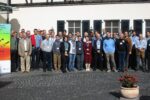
46 47
24 51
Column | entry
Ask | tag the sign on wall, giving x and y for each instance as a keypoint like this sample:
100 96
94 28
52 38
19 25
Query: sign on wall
5 48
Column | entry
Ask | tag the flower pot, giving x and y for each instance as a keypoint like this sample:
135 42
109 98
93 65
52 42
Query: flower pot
130 93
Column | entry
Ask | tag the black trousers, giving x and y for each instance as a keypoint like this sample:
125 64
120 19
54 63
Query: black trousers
14 60
117 59
65 62
47 60
133 59
98 61
148 60
35 58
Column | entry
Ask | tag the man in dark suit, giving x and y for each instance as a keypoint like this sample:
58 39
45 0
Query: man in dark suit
64 50
98 55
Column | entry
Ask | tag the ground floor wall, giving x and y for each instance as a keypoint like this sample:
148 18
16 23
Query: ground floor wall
108 17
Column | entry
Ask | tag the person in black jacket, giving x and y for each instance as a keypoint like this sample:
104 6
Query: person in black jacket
148 54
79 53
64 50
98 55
122 50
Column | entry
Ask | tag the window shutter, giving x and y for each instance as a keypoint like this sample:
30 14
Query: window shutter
85 26
98 25
124 25
60 26
138 26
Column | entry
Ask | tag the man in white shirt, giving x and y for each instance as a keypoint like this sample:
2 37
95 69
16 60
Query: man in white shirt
46 47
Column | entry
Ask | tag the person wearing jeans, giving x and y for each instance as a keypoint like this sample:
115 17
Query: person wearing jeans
121 45
72 53
109 49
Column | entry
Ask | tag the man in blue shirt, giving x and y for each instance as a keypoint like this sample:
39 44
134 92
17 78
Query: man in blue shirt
109 49
141 47
36 40
133 58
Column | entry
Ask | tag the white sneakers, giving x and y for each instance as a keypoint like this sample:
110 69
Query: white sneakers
108 71
113 70
88 69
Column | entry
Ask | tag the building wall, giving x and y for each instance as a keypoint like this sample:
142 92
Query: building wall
46 17
3 16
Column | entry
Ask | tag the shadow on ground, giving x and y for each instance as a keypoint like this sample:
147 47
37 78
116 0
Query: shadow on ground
3 84
116 94
145 98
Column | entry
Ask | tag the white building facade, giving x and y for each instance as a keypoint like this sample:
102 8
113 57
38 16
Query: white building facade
98 17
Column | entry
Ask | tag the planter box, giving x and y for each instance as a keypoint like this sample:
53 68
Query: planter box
130 93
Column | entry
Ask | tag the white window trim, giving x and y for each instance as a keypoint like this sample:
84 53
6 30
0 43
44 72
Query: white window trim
74 27
111 25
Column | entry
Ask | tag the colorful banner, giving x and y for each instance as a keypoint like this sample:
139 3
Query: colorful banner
5 48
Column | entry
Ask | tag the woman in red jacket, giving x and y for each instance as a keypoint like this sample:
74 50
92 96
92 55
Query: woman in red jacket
87 53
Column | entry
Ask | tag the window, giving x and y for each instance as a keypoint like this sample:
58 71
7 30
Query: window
85 26
60 26
147 25
112 26
98 25
138 26
74 26
124 25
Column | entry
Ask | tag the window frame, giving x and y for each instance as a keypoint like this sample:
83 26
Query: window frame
147 27
74 27
112 27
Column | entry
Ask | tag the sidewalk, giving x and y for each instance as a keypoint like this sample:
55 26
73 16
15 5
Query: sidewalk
37 85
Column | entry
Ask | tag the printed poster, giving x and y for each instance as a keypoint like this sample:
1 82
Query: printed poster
5 58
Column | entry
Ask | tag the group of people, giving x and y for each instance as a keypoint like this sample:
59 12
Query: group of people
71 52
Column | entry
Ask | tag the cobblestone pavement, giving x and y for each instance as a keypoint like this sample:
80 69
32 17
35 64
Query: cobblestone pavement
37 85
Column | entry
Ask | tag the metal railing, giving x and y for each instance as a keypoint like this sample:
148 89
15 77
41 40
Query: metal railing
76 2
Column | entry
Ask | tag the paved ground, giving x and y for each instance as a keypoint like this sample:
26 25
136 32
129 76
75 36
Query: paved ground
70 86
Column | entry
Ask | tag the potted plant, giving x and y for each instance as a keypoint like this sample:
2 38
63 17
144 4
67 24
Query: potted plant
129 87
